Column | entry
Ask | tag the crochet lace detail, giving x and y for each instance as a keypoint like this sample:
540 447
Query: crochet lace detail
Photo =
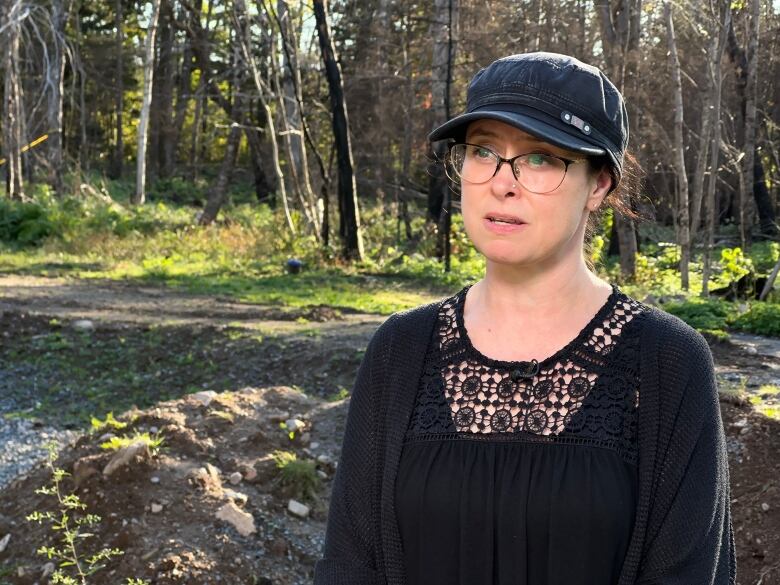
587 392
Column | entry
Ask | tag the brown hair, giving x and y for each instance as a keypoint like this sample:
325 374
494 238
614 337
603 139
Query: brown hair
622 197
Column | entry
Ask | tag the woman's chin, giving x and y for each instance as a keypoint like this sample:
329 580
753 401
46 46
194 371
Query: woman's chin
506 252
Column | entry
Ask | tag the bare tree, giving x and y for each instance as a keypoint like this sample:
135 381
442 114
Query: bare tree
720 29
143 121
15 11
620 27
683 222
55 83
746 189
119 92
349 216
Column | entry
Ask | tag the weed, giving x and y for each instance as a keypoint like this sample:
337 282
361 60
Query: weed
298 476
71 525
110 422
116 443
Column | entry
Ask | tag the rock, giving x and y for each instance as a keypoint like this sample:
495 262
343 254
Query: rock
294 424
106 437
204 397
235 478
744 431
249 472
314 445
47 570
154 479
126 456
322 474
765 507
305 438
740 423
156 508
235 496
241 521
298 509
83 325
82 470
4 542
324 459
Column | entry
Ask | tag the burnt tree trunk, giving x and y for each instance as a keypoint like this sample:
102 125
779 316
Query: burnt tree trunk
349 218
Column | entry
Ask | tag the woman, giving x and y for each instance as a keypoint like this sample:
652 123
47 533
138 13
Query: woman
539 427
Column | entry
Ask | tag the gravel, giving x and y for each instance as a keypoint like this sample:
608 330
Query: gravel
23 446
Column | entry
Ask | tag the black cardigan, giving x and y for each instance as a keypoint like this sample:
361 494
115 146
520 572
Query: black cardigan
682 533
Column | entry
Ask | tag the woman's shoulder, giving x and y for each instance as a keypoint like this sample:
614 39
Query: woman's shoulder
408 325
675 335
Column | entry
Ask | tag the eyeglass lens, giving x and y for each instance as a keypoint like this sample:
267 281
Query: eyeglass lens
536 172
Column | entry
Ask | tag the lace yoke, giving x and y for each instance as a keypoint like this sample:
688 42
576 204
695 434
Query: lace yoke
585 393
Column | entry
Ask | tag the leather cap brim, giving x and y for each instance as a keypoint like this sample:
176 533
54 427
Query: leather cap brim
533 125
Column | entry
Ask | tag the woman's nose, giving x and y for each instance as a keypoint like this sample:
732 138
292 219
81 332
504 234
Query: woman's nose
504 181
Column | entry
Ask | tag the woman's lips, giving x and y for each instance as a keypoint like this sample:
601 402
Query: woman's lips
503 228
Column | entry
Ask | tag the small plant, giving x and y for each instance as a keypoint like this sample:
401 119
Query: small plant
291 434
110 422
298 476
116 443
71 525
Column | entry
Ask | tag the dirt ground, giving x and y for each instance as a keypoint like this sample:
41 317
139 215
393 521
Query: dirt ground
167 510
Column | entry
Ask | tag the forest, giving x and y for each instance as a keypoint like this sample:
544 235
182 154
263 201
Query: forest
201 197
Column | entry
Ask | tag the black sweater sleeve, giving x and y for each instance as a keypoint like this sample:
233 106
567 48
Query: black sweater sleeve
690 533
350 552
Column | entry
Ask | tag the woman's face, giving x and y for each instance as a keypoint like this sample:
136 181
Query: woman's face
553 223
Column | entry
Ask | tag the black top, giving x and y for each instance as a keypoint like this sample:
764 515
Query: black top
518 473
682 529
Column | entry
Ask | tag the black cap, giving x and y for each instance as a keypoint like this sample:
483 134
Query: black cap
554 97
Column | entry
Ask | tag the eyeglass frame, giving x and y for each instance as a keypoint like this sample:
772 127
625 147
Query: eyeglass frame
511 161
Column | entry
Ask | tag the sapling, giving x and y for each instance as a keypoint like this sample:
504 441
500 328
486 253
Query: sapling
71 524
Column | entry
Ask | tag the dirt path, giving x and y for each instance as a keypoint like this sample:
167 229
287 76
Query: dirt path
118 302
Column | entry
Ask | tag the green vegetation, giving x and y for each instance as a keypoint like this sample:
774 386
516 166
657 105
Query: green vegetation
117 443
71 525
297 476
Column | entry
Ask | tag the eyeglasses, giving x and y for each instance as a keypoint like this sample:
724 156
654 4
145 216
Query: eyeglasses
537 172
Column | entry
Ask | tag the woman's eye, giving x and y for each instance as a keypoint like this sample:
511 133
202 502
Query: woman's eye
481 152
537 159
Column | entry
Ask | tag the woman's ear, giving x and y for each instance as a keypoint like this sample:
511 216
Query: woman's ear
598 189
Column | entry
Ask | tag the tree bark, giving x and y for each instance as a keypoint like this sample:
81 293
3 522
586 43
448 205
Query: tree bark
119 98
12 102
349 215
56 82
143 122
620 42
164 153
683 222
747 186
720 28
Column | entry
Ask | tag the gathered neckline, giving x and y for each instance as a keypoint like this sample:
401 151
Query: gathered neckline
584 333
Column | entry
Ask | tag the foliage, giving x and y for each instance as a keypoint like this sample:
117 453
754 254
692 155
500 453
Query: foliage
116 443
734 264
702 313
71 525
298 476
98 425
761 318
